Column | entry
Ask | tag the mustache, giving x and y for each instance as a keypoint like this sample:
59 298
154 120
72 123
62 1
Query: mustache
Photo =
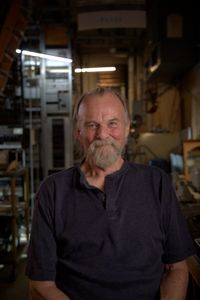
100 143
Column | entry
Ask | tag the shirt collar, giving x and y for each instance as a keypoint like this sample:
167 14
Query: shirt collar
113 176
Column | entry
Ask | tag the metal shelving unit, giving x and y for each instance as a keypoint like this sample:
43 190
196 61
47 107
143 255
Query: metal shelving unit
47 96
14 213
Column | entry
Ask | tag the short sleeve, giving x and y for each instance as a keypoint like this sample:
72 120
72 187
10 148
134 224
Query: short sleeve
178 244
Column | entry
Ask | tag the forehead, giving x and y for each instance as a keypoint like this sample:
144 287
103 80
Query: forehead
107 103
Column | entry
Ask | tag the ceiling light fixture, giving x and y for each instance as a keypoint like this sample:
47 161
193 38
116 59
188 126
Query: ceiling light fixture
45 56
98 69
58 70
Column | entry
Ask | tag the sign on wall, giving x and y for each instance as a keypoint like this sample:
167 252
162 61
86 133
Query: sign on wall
112 19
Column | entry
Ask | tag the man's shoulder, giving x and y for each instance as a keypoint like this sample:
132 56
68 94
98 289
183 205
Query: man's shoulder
60 176
147 171
136 167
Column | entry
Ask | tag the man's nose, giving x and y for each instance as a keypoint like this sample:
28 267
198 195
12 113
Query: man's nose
102 132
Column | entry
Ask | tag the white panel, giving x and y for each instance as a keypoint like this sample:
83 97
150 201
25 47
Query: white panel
112 19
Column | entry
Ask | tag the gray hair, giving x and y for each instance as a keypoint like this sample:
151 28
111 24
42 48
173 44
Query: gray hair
99 91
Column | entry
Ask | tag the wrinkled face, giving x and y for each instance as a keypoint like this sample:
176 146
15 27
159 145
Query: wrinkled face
102 128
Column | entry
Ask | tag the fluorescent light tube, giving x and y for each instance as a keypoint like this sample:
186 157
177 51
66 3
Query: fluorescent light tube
46 56
58 70
98 69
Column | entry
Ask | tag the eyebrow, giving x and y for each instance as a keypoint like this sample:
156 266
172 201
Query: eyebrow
114 119
93 121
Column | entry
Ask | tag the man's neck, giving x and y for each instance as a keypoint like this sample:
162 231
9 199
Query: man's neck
96 176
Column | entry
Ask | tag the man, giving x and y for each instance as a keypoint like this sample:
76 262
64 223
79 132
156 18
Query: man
107 229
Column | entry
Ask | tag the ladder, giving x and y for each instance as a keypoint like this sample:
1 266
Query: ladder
11 36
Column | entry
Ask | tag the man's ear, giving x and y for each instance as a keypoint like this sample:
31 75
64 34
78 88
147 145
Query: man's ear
77 133
128 128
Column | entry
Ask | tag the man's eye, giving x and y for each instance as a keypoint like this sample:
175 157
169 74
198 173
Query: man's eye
91 126
113 124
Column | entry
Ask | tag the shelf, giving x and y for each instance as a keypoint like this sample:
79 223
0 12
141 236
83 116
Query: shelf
12 210
10 146
16 173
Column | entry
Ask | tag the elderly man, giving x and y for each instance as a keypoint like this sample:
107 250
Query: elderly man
107 229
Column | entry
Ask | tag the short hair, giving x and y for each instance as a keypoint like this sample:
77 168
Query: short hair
99 91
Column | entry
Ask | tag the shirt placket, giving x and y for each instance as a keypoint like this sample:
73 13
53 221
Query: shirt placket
111 196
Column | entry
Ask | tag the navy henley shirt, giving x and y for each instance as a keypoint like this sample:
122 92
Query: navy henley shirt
107 245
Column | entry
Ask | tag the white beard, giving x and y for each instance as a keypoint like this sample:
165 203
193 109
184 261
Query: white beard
103 153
